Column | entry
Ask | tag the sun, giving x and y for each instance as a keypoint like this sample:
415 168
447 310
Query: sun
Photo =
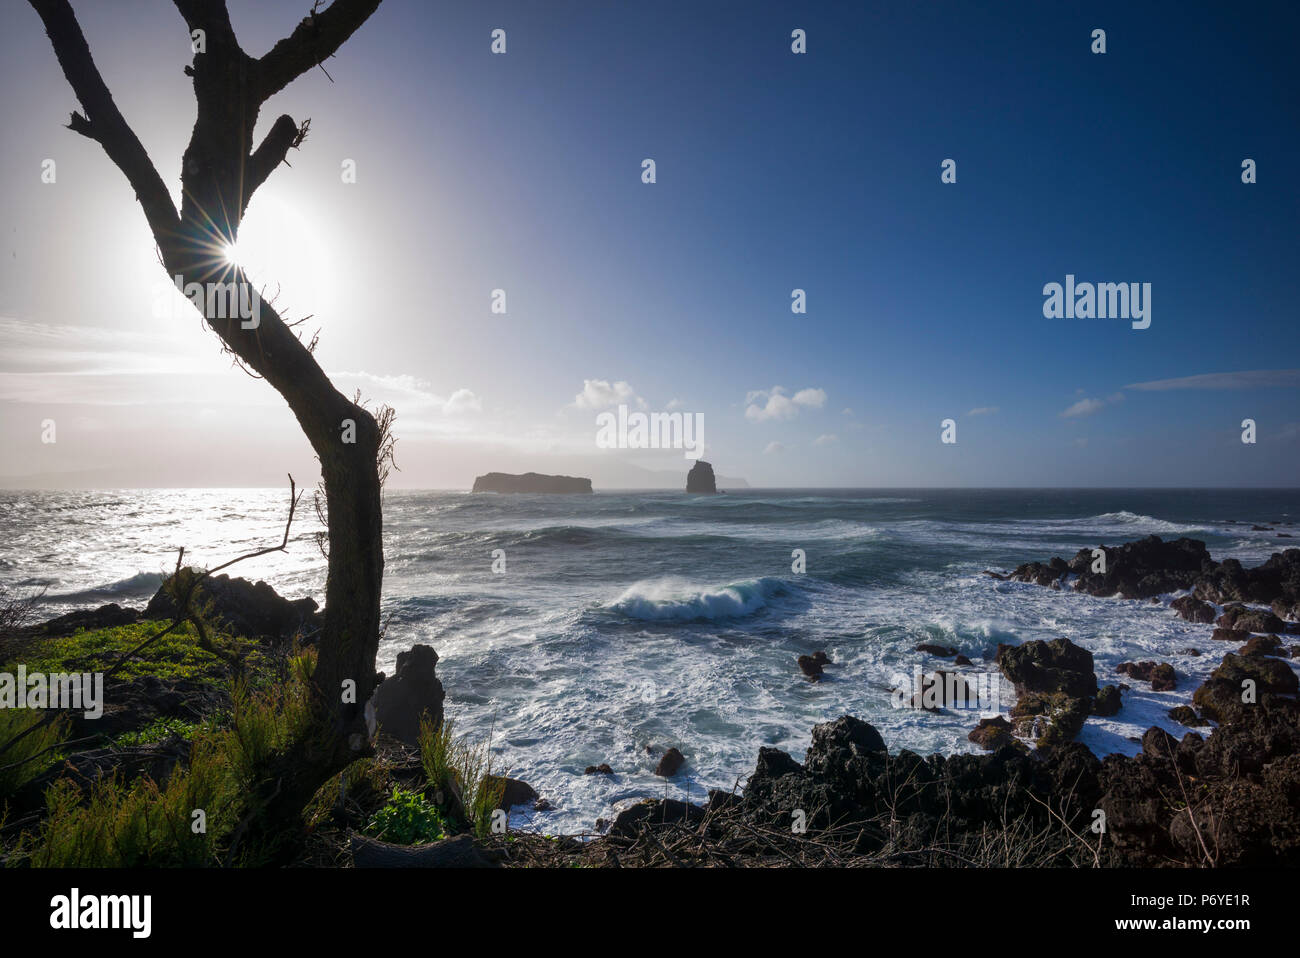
230 254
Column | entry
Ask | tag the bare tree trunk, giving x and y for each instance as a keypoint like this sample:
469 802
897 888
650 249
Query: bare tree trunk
356 570
219 173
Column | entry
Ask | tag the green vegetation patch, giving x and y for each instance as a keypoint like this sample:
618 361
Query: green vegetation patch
173 657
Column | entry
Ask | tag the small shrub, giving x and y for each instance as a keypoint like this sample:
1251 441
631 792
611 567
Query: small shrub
408 819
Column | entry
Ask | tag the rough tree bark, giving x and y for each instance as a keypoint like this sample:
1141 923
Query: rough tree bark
220 171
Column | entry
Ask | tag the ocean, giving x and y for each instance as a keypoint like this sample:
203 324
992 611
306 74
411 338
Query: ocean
623 619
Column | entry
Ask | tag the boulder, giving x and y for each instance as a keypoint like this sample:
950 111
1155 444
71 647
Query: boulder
1107 702
1230 635
1193 609
105 617
240 607
514 791
1186 715
942 689
1238 617
1162 677
942 651
1053 718
1220 696
1263 645
651 812
810 667
846 734
1055 666
413 693
993 734
669 764
601 769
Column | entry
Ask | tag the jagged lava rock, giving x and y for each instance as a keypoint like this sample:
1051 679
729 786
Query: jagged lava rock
411 694
251 609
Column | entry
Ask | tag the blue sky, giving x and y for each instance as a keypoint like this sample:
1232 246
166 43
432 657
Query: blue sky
775 171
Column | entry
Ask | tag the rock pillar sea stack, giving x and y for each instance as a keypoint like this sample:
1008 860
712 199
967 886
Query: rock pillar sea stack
700 479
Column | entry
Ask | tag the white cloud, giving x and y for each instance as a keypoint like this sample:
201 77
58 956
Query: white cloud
776 405
1084 407
773 448
812 398
983 411
601 393
407 394
1246 379
461 401
826 439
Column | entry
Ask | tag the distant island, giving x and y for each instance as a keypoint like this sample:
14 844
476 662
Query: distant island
700 479
531 482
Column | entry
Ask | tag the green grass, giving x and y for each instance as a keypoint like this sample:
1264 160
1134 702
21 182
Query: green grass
142 823
173 657
19 755
460 773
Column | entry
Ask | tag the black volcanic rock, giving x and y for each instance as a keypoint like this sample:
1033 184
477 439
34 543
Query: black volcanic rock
415 692
670 763
1193 609
1150 567
251 609
104 617
1247 794
1047 667
531 482
700 478
1238 617
810 667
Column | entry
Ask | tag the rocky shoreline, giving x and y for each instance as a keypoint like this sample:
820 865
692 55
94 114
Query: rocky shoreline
1226 794
1229 797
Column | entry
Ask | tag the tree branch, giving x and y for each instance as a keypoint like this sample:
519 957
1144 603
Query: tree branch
312 42
103 122
284 135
